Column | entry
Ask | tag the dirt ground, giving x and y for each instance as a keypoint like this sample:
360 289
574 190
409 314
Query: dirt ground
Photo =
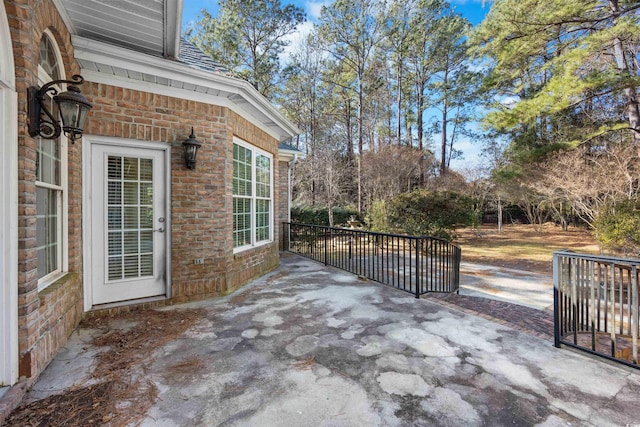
520 246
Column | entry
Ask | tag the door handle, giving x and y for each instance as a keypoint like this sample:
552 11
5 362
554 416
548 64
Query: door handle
160 230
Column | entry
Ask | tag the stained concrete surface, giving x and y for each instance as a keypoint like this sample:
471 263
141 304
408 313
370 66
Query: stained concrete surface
313 346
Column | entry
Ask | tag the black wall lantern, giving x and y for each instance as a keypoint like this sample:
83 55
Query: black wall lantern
191 146
73 107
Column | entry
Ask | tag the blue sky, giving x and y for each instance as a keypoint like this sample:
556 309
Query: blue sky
473 10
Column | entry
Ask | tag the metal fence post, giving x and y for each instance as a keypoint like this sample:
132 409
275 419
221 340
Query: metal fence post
556 299
418 269
325 246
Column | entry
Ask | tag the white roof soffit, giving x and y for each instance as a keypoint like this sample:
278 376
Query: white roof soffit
286 155
149 26
108 64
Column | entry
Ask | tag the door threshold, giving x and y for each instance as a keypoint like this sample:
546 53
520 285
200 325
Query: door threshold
98 307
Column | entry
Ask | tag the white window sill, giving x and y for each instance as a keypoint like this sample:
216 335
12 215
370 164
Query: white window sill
241 249
50 279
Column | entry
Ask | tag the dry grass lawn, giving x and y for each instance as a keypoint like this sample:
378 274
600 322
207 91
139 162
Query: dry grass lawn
520 246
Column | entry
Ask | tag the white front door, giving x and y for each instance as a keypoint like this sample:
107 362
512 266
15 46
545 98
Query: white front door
129 225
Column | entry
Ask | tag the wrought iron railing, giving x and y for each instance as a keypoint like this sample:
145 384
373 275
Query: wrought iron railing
412 264
596 305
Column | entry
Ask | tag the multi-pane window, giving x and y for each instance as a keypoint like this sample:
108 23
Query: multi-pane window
242 195
252 196
263 197
130 217
50 180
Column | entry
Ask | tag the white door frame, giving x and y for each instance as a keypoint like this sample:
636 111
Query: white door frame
8 208
88 141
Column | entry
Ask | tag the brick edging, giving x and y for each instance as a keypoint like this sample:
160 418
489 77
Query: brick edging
11 400
439 299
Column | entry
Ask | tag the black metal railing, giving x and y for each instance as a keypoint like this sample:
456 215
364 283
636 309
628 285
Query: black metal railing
412 264
596 305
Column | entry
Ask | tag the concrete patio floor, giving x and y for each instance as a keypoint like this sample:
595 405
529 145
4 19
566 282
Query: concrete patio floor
308 345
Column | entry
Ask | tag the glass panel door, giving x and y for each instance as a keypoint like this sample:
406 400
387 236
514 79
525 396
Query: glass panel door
128 229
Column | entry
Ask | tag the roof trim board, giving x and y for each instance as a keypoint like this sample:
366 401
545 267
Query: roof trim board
172 27
65 16
179 80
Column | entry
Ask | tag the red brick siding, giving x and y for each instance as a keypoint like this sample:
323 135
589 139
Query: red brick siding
201 198
198 202
250 264
282 188
44 320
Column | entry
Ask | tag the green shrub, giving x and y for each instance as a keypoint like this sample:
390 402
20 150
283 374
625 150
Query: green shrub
433 213
377 219
320 215
618 226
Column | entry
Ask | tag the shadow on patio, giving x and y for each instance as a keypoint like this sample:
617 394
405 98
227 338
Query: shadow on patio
310 345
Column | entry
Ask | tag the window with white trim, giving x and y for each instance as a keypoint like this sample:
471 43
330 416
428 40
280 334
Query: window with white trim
252 196
51 179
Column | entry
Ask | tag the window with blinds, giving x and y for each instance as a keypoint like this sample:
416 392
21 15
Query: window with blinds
252 196
130 217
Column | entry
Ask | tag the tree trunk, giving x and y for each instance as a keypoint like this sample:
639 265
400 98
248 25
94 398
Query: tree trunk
452 138
630 92
499 214
330 212
399 102
443 141
420 121
313 193
360 138
420 125
350 154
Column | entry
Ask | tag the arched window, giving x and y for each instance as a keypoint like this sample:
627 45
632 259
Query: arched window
51 180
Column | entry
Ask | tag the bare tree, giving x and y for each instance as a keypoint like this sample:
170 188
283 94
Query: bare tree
592 177
393 170
326 167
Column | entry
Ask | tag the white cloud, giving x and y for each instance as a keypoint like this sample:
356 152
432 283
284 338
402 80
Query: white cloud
313 9
509 101
295 39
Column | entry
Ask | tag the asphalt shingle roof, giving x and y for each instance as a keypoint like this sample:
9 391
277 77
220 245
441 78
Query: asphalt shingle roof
192 56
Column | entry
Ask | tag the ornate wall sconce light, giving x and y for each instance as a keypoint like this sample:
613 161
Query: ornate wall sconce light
191 146
72 105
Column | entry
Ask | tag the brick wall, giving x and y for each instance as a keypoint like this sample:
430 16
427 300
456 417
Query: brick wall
199 225
45 319
201 198
282 188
